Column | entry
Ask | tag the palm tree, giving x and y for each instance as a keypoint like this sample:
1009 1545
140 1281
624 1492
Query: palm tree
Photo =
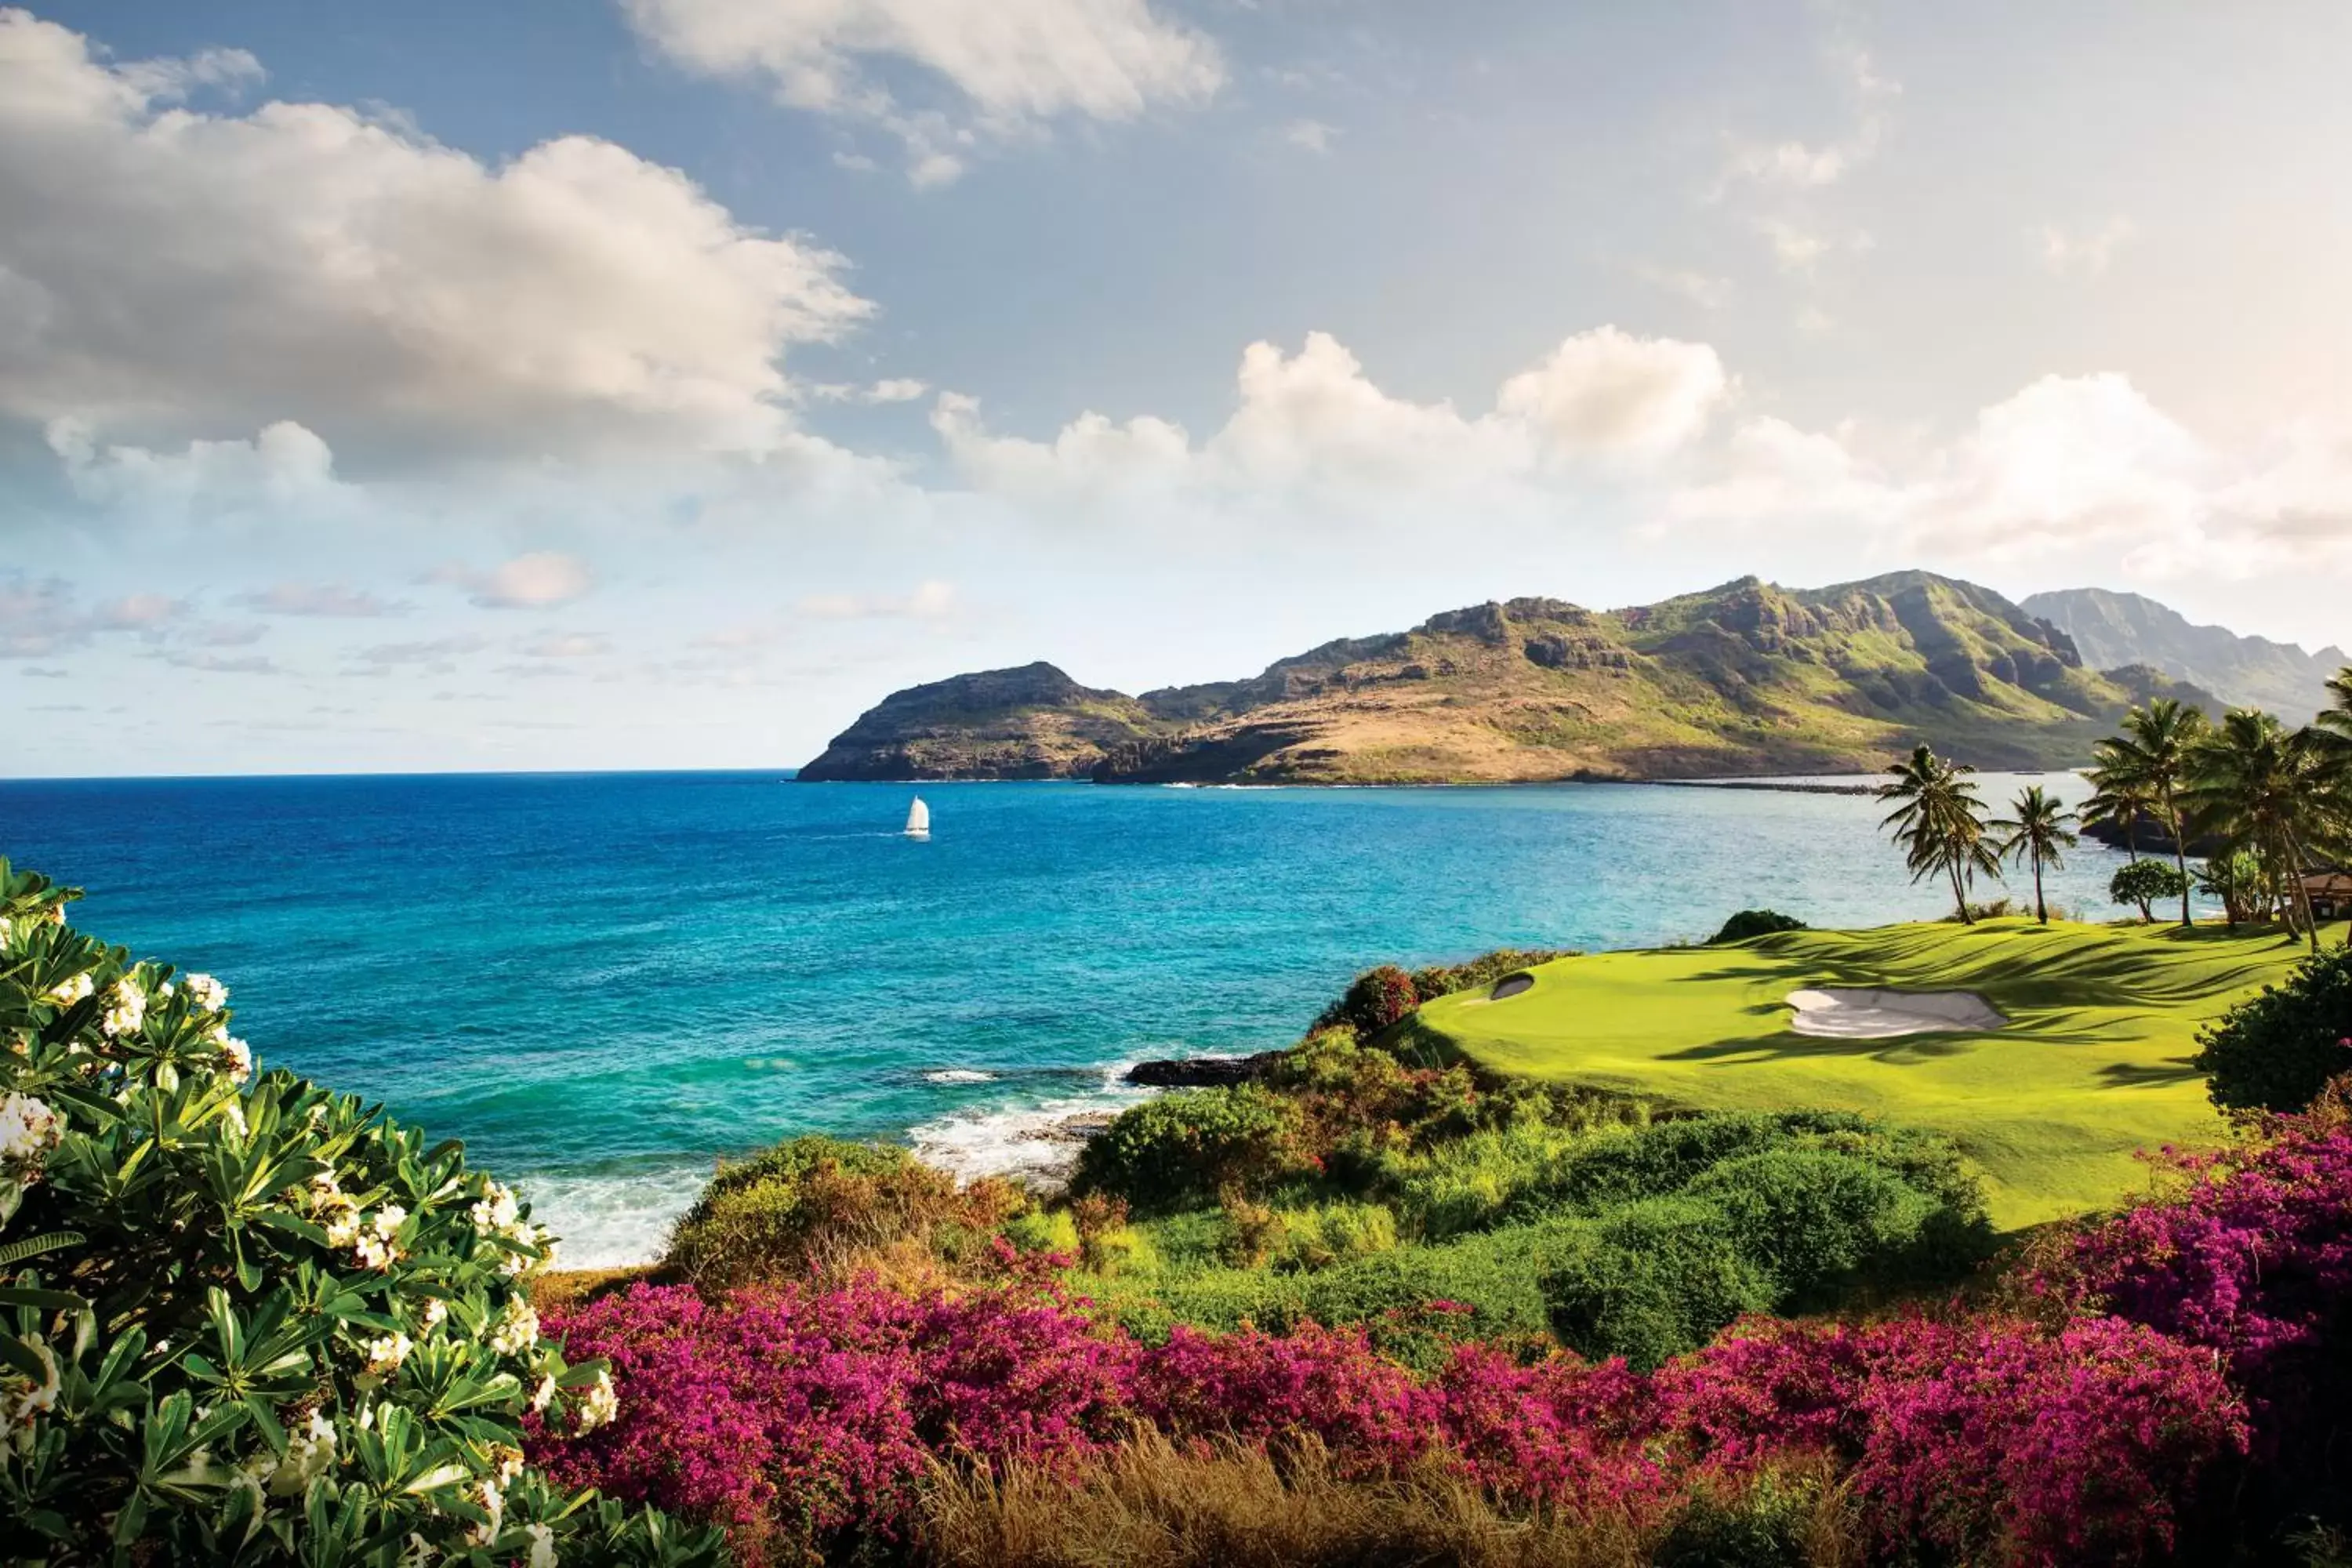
2152 757
1939 822
2265 789
2037 834
2332 734
2117 795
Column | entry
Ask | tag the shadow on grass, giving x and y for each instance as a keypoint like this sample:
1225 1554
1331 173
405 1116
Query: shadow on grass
2161 1075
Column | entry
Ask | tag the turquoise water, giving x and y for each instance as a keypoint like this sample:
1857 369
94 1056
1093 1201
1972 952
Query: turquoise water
604 982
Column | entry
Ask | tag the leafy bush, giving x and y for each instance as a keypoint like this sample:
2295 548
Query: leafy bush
1653 1281
1767 1521
1374 1000
1185 1146
1749 923
817 1202
2145 883
1445 979
2277 1050
268 1325
1326 1234
1814 1221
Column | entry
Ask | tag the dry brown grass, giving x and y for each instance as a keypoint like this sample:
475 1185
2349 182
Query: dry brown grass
1157 1504
565 1288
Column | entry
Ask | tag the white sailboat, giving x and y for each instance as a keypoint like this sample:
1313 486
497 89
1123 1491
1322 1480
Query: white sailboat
919 819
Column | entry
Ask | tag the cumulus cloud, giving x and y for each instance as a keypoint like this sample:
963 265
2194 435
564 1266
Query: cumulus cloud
930 601
330 599
2083 466
436 653
1314 429
1609 392
1007 66
169 275
2083 252
533 582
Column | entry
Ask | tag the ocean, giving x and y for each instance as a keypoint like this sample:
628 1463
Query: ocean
605 983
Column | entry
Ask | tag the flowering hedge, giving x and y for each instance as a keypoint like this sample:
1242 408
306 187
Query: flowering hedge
806 1419
243 1318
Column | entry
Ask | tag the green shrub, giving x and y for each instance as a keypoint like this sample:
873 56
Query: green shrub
1650 1281
1495 1277
1749 923
2277 1050
1445 979
1374 1000
1768 1522
1180 1148
1813 1221
267 1324
1323 1235
2145 883
815 1201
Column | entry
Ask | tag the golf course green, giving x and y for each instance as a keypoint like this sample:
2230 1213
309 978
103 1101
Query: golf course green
2093 1066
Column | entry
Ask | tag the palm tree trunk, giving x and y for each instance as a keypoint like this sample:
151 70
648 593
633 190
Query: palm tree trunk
2179 859
2302 893
1960 894
2041 910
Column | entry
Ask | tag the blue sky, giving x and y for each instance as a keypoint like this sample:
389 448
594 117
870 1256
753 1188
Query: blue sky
659 381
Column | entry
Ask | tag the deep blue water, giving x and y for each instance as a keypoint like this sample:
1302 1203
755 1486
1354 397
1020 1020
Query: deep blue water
605 981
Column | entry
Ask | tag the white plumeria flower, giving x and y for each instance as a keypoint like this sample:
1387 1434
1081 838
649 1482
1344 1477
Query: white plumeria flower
29 1130
66 993
434 1311
126 1008
309 1453
209 994
32 1398
506 1461
494 1503
241 1059
542 1546
544 1394
495 1209
600 1405
385 1353
516 1329
57 913
234 1118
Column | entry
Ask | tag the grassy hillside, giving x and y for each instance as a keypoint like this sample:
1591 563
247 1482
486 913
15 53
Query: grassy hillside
2093 1065
1746 677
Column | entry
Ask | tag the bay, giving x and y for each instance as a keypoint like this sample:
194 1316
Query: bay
605 983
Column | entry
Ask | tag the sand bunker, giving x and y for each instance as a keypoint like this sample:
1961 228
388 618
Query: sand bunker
1877 1015
1511 986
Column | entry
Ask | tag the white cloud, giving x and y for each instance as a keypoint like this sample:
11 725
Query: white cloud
1790 164
538 580
1315 431
46 615
1011 64
2082 466
568 645
2083 252
167 275
890 389
1705 290
930 601
332 599
1609 392
1313 135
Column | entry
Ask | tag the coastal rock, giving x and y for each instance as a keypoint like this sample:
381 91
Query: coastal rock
1200 1072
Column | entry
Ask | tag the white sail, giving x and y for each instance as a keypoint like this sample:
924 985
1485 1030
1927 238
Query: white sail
919 819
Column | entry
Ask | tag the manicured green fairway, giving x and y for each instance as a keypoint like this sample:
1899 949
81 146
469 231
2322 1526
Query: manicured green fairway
2093 1065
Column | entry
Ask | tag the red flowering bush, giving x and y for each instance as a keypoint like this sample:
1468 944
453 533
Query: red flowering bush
2252 1262
1993 1438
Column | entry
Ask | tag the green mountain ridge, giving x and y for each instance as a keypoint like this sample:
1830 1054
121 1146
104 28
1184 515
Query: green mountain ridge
1747 678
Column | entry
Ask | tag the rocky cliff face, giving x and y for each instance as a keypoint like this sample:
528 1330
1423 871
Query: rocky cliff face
1033 722
2115 629
1747 678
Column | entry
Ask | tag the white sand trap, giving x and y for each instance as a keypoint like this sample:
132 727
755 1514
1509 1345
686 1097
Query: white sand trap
1877 1015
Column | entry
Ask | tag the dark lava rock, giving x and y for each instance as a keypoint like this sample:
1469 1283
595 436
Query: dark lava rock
1202 1072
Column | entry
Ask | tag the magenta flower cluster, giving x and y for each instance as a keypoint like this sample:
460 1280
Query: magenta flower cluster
802 1417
